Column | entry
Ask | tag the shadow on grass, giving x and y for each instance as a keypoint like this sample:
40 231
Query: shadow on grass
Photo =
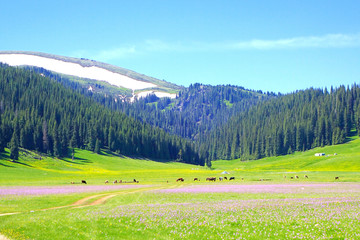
79 161
4 165
352 136
108 153
20 163
4 155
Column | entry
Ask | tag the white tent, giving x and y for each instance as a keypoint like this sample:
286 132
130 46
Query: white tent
225 172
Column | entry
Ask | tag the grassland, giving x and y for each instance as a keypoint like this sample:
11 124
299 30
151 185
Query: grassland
259 204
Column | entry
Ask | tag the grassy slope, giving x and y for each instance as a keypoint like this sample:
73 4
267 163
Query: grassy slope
103 221
87 165
339 160
98 168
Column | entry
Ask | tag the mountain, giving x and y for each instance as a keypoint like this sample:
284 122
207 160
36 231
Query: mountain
95 76
294 122
196 110
38 113
203 123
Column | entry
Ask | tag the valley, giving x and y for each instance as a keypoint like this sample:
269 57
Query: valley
259 202
216 162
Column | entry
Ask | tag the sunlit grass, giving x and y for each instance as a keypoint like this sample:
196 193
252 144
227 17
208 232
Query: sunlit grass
259 204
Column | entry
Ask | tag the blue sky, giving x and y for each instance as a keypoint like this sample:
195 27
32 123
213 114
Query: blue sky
278 46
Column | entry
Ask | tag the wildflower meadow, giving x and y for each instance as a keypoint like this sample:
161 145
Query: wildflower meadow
196 211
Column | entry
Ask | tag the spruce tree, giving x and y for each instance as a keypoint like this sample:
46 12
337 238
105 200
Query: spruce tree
97 146
14 146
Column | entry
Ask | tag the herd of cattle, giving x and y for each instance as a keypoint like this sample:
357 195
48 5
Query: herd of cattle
213 179
121 181
209 179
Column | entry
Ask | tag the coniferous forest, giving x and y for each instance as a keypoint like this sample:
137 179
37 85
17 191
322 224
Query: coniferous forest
293 122
42 115
202 124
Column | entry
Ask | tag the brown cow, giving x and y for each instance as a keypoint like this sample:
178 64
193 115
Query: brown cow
306 176
180 180
336 178
83 181
196 179
213 179
107 181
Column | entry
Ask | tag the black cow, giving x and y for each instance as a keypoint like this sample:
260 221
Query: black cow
232 178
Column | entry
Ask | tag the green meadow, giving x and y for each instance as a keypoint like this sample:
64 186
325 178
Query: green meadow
263 202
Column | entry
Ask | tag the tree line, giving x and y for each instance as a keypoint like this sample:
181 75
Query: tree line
39 114
202 124
293 122
196 110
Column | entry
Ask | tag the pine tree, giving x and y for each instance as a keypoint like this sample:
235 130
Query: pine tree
2 139
45 139
56 144
97 146
14 146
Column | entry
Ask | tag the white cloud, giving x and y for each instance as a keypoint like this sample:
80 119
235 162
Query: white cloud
326 41
154 45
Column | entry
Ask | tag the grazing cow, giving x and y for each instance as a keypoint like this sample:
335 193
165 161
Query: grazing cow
232 178
242 179
221 178
297 177
180 180
291 177
336 178
306 176
114 181
135 181
196 179
213 179
107 181
83 181
72 182
225 178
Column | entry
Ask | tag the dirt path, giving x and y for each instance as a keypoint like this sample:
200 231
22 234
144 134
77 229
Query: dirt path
84 201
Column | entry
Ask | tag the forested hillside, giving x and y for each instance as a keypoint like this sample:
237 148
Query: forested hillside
293 122
197 109
40 114
218 122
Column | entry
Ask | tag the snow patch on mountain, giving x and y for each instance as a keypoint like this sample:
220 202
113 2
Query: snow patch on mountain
75 69
158 94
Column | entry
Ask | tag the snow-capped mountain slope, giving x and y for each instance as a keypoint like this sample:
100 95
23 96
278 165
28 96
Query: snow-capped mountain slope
93 70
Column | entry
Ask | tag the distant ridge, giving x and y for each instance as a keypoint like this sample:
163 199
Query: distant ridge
82 68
